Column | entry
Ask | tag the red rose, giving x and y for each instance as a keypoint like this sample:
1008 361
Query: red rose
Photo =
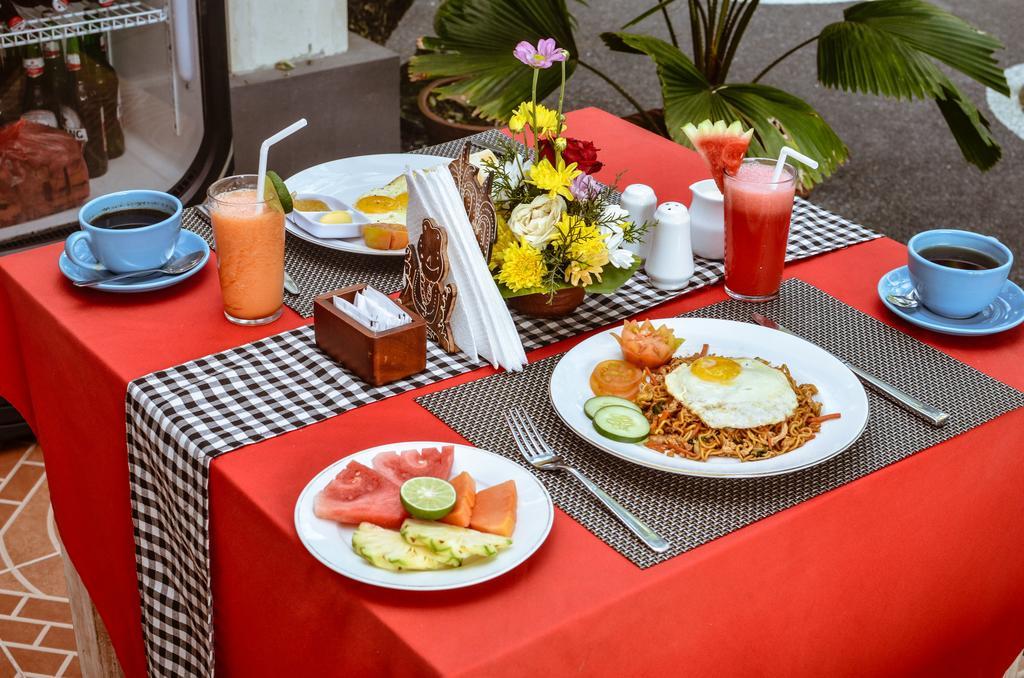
583 153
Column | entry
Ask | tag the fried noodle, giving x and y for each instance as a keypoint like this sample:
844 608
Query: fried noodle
678 432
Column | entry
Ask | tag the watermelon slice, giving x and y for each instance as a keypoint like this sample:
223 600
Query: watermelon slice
399 467
721 146
359 494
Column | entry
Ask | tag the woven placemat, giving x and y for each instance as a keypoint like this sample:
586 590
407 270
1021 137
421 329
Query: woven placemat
691 511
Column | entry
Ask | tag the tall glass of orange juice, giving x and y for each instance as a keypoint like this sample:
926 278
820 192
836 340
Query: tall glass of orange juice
248 233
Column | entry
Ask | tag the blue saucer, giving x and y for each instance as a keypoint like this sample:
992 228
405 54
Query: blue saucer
188 242
1006 312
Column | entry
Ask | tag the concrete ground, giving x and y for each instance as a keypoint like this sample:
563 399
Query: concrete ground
905 173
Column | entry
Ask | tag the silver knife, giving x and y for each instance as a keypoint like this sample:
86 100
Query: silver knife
932 415
289 285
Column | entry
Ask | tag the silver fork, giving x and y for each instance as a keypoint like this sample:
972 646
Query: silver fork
533 447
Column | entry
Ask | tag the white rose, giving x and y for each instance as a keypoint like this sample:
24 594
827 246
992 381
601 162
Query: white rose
537 222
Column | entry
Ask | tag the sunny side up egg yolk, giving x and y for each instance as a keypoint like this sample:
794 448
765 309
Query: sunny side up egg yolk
716 369
377 204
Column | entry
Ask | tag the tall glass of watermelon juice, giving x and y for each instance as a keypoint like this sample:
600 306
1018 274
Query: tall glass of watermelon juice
249 235
757 214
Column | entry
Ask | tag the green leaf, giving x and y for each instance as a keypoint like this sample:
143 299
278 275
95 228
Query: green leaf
646 13
474 41
937 33
890 48
613 278
778 118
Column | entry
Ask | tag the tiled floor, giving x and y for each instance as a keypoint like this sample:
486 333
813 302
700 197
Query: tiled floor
36 637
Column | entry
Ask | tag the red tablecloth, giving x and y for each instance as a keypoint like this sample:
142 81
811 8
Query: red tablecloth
913 570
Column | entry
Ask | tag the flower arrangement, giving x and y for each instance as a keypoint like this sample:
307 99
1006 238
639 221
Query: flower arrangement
557 226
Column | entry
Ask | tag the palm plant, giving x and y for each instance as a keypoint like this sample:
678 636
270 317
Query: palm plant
891 48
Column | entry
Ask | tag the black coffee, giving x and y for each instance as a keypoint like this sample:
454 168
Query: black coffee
130 218
964 258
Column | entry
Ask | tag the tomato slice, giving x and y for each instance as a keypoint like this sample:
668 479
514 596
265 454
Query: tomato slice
616 378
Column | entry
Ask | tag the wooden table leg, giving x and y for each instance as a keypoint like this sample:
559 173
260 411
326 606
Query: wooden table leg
96 655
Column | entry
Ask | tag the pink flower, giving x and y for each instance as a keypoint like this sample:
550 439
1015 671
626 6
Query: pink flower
542 56
584 187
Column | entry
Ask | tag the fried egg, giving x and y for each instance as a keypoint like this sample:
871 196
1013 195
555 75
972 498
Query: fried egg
732 392
387 204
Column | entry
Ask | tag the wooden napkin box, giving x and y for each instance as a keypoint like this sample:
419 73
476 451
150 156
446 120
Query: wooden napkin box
376 357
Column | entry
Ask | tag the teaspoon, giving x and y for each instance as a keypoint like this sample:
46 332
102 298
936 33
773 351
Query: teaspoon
182 264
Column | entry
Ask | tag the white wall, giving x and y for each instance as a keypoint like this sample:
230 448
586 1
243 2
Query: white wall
263 32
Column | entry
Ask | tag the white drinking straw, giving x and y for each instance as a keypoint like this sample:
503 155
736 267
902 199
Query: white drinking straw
265 149
788 152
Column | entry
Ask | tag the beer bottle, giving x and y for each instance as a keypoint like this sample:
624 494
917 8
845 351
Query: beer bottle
55 5
41 103
103 78
10 16
11 83
55 75
82 107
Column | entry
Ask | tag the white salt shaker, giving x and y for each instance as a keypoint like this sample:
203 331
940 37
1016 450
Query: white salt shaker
639 200
707 220
670 261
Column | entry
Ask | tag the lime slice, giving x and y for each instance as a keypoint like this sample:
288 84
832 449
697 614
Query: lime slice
280 192
270 196
428 498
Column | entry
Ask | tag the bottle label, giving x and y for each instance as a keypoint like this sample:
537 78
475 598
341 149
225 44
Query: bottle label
33 66
51 49
73 124
41 116
74 61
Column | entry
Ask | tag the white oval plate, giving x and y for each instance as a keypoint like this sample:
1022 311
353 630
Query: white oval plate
347 179
838 391
331 543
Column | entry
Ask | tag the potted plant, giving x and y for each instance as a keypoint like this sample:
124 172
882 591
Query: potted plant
560 236
445 116
886 47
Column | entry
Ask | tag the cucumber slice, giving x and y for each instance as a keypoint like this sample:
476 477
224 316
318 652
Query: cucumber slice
624 424
597 402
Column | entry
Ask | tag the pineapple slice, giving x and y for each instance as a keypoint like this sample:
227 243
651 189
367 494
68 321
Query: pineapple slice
456 542
386 549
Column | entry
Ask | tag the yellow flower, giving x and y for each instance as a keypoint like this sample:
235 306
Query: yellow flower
554 180
505 238
587 253
523 267
546 124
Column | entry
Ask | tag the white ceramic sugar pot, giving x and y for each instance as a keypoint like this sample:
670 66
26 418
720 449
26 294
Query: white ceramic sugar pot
669 264
707 220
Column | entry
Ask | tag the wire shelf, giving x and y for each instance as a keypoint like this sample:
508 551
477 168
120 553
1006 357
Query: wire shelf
45 25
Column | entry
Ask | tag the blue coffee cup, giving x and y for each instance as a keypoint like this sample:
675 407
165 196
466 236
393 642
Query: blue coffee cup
956 292
128 249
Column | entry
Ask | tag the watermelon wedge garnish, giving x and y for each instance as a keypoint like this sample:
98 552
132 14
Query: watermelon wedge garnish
722 146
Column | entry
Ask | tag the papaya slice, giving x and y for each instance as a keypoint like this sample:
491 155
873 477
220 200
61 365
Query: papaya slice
495 509
386 236
465 500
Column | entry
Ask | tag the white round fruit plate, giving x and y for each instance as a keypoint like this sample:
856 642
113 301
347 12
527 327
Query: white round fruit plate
838 391
349 178
331 543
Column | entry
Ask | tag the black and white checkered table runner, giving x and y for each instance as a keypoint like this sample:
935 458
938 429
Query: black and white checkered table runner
180 418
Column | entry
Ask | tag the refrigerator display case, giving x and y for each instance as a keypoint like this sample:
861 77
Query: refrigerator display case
171 100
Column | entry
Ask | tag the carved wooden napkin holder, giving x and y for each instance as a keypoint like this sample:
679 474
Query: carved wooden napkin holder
376 357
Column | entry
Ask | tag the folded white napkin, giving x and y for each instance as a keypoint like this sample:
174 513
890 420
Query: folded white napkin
481 319
373 310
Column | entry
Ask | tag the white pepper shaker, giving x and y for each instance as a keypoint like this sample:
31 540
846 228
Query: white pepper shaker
639 200
669 264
